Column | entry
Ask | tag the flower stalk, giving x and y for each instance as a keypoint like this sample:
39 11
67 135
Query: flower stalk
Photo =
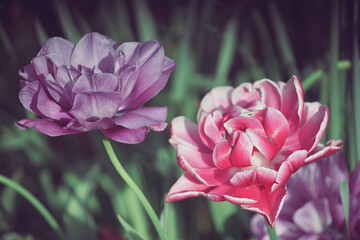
130 182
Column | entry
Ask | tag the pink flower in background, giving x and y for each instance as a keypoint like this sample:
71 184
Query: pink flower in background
246 144
313 208
96 84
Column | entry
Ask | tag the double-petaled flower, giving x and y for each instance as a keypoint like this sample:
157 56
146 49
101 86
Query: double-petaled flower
96 84
246 144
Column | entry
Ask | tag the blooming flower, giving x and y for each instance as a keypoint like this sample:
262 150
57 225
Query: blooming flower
313 208
247 143
95 84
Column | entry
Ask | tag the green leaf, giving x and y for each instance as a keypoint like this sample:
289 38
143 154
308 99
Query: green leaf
145 21
220 213
132 233
344 194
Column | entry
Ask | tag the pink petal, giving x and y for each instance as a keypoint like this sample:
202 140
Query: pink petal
242 151
270 93
321 151
269 204
237 195
244 94
218 98
45 126
258 176
263 144
275 125
290 165
57 45
94 51
124 135
209 131
188 186
311 132
293 102
185 132
214 176
242 123
142 117
191 159
221 154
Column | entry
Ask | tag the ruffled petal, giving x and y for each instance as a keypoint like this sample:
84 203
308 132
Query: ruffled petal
45 126
57 45
185 132
218 98
125 135
142 117
242 151
262 143
244 94
188 186
270 93
293 102
321 151
94 51
290 165
221 154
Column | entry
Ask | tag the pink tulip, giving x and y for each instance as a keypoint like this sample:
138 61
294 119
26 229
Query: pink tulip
246 144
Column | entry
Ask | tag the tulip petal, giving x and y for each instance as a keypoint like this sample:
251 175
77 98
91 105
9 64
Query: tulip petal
237 195
214 176
191 159
290 165
275 125
185 132
218 98
257 176
242 123
293 102
314 216
269 204
142 117
188 186
244 94
128 78
125 135
321 151
242 151
270 93
221 154
45 126
28 95
57 45
96 105
105 82
263 144
209 131
94 50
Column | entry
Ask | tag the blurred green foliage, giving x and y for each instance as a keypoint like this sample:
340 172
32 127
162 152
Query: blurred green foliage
213 43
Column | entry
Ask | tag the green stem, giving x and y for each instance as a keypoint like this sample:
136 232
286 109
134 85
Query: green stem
272 232
36 203
120 169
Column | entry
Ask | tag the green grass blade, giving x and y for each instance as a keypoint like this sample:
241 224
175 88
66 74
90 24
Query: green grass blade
40 32
336 120
283 41
67 22
144 21
220 213
35 202
344 194
271 63
226 53
133 234
356 87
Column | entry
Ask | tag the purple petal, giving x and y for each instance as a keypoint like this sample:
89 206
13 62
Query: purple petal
125 135
142 117
57 45
96 105
45 126
94 51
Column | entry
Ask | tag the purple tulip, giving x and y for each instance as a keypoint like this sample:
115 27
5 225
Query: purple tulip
95 84
313 208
